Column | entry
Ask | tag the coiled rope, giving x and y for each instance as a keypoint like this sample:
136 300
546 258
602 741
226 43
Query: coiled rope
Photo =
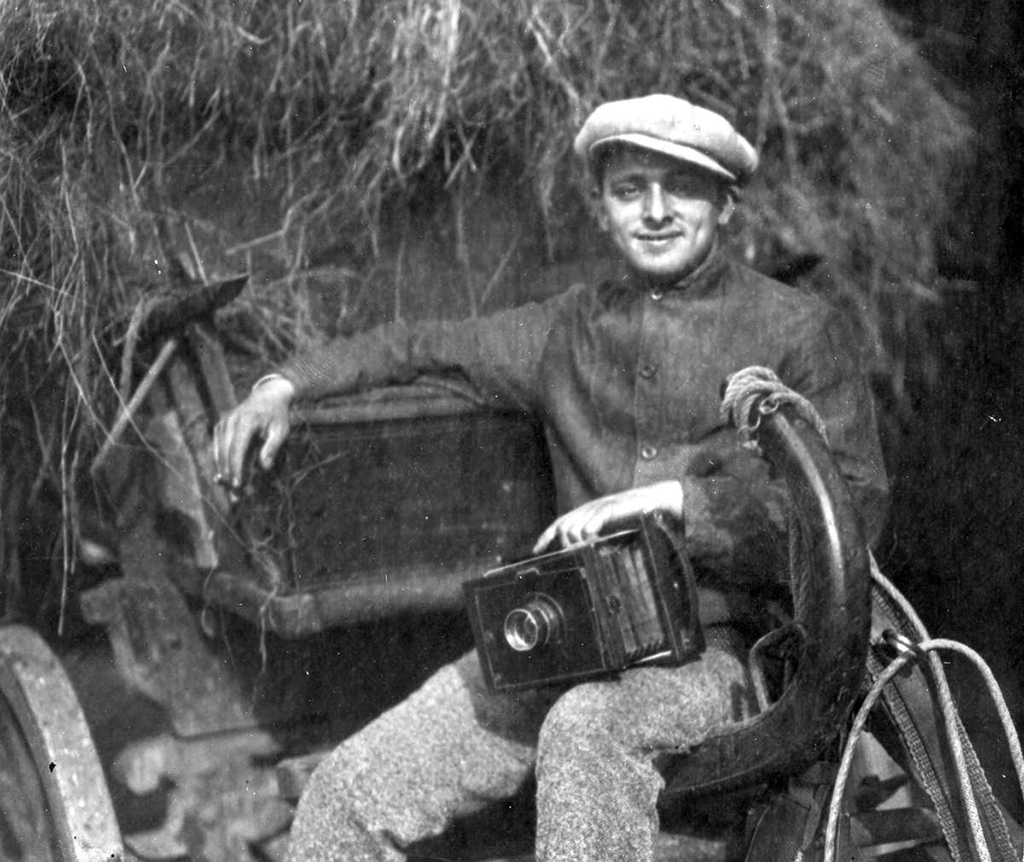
757 391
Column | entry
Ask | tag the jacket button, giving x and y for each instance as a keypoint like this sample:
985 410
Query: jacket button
648 452
647 370
657 294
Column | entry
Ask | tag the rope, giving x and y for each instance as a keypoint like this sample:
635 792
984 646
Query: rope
756 391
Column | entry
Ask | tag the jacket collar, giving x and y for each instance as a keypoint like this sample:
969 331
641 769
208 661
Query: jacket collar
706 277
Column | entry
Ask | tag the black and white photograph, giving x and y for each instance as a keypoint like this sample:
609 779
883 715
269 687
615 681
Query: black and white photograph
511 430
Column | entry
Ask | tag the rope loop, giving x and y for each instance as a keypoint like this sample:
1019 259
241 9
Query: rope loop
757 391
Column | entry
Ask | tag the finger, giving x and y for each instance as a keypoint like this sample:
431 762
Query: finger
223 435
221 438
546 538
276 435
242 433
615 513
570 527
609 514
571 532
592 527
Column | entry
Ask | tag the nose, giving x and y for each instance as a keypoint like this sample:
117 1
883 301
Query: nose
655 210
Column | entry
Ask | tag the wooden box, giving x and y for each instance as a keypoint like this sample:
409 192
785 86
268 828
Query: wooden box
384 503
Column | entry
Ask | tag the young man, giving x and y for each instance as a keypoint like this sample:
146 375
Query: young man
626 377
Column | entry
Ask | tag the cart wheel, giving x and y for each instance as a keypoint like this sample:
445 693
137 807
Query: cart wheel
54 802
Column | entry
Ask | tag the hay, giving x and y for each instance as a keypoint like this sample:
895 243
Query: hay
348 115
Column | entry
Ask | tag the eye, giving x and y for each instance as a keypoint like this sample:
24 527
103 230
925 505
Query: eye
681 186
688 185
625 191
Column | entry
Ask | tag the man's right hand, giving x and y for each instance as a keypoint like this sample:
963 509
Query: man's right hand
262 416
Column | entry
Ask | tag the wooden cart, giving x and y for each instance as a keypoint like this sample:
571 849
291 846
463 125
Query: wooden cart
242 641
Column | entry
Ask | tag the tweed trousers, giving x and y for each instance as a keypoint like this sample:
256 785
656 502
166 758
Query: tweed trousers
452 748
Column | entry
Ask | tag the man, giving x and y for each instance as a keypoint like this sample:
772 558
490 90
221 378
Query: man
626 377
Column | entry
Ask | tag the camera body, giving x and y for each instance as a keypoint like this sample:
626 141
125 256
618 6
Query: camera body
595 608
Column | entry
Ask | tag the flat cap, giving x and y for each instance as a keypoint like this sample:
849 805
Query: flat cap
674 126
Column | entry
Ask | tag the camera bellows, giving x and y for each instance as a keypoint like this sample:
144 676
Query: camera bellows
590 609
629 593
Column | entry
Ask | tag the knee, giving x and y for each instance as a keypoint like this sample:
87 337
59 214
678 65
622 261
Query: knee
333 785
326 817
577 726
588 754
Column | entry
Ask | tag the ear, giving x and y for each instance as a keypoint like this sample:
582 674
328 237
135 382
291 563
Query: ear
728 208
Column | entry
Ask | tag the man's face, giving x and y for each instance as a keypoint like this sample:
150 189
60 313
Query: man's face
661 213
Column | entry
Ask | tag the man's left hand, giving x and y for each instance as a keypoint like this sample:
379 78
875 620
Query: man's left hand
587 521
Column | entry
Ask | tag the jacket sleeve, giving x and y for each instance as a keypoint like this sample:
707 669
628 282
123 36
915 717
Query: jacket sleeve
736 513
497 356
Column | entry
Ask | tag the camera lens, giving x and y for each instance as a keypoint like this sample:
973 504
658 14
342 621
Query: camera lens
532 625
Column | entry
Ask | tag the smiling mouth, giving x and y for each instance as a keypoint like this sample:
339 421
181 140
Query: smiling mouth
658 237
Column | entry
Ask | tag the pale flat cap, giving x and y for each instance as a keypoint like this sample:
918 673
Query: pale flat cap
674 126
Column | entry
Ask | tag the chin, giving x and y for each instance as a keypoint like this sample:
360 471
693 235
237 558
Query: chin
669 267
664 271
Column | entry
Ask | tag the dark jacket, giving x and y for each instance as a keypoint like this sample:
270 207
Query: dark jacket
627 380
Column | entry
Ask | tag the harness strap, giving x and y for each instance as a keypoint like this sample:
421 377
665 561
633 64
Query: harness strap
910 706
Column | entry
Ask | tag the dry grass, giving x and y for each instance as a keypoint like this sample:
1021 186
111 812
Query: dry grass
346 112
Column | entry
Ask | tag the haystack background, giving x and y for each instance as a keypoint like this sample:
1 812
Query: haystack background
366 161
